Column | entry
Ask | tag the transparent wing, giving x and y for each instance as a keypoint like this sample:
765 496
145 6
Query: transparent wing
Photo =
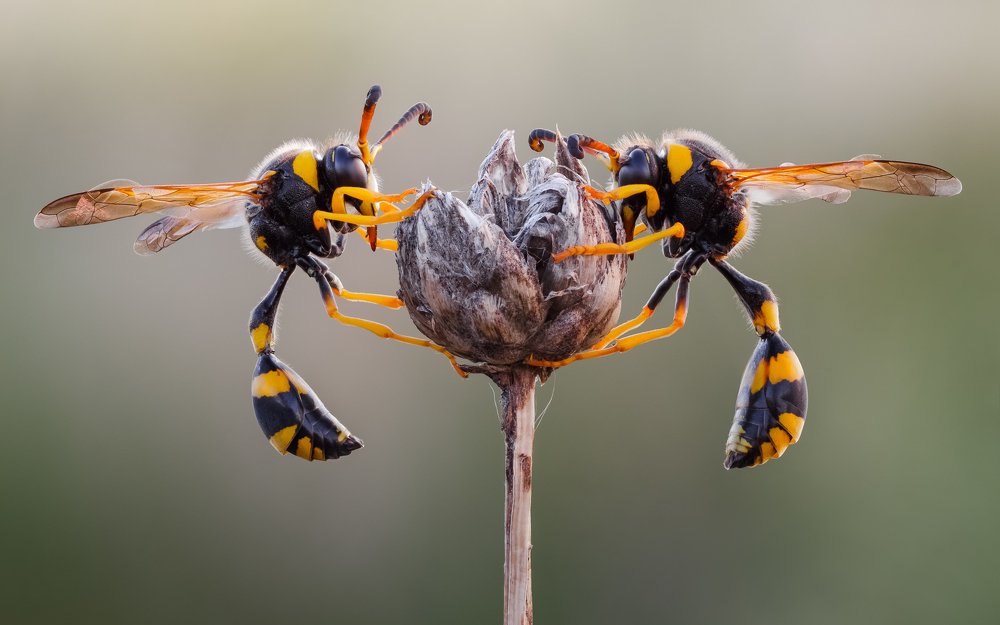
166 231
834 182
218 205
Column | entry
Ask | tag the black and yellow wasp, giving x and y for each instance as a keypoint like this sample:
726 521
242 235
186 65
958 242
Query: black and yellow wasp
698 199
284 209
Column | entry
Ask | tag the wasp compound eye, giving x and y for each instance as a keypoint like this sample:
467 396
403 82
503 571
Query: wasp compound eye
344 168
636 169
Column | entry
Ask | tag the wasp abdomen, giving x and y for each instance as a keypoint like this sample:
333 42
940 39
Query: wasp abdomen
770 407
293 418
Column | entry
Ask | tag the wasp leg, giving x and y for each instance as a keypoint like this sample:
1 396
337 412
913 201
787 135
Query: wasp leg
315 269
290 414
627 191
633 246
367 196
628 217
383 244
684 265
395 214
630 342
773 397
371 202
388 301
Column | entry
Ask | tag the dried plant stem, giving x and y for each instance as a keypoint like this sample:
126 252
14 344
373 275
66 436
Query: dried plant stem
517 386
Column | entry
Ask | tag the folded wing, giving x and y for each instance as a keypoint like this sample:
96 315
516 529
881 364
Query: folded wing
186 208
834 182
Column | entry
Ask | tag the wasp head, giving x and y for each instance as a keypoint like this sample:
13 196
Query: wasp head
641 165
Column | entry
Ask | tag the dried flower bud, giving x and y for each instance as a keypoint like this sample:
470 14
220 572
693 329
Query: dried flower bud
478 278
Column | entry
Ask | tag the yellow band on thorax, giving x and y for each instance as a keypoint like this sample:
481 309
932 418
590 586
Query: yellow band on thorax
304 167
679 161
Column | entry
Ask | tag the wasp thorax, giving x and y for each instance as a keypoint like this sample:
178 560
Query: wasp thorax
479 279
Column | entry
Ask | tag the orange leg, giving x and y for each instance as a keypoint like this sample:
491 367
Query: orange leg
387 301
687 266
315 267
383 244
316 270
627 191
628 326
629 342
365 195
676 230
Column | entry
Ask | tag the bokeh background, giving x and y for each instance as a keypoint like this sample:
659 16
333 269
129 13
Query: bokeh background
137 487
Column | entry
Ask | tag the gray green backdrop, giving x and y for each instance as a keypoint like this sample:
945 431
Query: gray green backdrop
137 487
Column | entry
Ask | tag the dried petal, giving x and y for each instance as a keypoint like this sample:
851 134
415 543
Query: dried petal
479 278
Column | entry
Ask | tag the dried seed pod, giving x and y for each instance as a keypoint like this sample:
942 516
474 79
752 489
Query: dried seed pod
478 278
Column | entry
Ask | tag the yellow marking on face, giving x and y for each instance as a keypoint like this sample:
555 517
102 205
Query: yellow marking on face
261 243
270 384
766 452
304 448
785 366
318 454
759 376
304 167
678 161
283 438
793 423
741 230
261 336
780 438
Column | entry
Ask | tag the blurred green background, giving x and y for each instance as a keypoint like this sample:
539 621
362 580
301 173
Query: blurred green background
137 487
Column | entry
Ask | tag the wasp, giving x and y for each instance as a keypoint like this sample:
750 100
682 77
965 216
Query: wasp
695 196
297 208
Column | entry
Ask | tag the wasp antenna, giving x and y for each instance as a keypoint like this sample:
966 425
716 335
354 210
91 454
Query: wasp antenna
536 136
366 121
573 143
582 144
421 111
